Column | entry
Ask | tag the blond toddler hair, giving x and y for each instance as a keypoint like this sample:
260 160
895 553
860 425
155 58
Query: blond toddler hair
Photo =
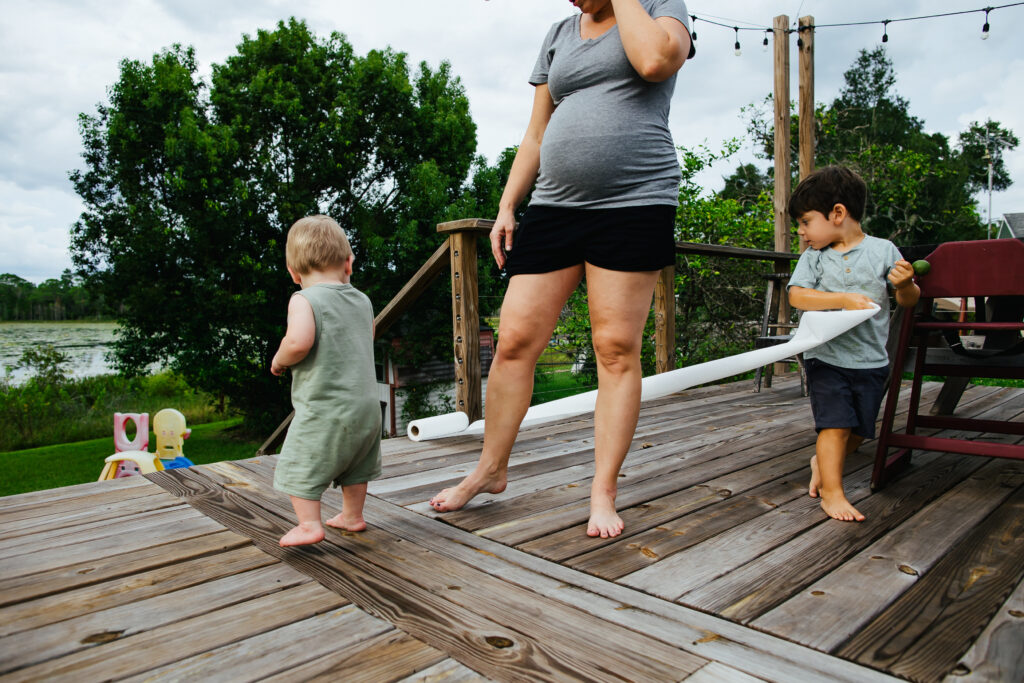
316 243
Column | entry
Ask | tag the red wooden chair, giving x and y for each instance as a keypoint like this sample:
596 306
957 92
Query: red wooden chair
984 268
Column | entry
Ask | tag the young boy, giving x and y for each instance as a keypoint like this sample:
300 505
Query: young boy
844 268
335 434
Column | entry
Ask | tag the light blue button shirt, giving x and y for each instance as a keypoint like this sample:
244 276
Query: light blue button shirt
862 270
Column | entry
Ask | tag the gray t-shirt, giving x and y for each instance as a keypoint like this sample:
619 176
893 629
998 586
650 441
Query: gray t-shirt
863 270
607 144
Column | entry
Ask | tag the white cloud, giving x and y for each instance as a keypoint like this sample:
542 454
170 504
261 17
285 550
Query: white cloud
58 57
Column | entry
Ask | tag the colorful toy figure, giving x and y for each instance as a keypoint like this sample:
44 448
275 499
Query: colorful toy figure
130 463
132 458
169 426
141 440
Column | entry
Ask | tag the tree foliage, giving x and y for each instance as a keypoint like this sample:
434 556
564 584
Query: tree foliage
190 188
921 185
64 298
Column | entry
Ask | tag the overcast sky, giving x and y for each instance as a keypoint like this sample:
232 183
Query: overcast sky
58 58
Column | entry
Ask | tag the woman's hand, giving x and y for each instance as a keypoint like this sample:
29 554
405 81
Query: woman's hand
501 236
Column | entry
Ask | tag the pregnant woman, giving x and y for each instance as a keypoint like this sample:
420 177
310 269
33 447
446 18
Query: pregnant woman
607 186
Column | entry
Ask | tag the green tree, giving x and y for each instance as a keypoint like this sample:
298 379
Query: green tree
190 188
921 186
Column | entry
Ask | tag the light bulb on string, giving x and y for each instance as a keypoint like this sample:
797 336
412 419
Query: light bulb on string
736 47
885 31
764 43
984 29
693 31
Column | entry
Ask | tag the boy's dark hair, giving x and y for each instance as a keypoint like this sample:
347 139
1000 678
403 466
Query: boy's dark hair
825 188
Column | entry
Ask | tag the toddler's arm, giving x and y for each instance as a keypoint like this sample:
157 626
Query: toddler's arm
902 278
299 337
814 300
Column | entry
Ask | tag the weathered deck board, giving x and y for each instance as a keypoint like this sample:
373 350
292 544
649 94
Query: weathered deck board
929 588
694 632
838 601
466 606
921 635
997 654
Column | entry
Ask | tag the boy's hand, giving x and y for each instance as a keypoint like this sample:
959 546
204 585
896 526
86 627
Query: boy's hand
276 368
856 302
902 274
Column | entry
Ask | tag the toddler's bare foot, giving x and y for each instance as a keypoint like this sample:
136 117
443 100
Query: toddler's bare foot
837 507
302 535
604 520
812 488
340 521
477 482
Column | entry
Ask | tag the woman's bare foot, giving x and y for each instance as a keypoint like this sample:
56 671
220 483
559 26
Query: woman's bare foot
604 520
838 507
479 481
303 534
812 488
340 521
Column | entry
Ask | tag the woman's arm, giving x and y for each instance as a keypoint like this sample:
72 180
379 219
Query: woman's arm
656 48
299 337
522 174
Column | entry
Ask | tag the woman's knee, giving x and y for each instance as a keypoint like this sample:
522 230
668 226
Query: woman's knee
516 344
616 352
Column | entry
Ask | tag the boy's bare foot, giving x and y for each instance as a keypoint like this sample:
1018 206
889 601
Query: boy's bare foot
477 482
604 520
302 535
340 521
812 488
837 507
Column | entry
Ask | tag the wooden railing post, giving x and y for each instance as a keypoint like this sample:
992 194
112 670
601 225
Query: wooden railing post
783 156
462 237
665 320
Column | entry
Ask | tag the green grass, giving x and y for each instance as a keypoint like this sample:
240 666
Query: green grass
41 413
981 381
50 467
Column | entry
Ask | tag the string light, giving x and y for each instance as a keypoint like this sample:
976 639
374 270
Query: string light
884 22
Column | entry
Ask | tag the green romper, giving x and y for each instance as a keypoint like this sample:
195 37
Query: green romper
335 435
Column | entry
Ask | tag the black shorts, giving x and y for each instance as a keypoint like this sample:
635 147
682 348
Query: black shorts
845 398
633 238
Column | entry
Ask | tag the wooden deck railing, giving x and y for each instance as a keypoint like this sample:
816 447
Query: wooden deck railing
460 248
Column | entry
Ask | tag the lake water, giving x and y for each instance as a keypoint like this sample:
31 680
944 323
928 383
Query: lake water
85 343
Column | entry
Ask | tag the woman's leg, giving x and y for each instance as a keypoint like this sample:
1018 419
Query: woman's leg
619 305
528 317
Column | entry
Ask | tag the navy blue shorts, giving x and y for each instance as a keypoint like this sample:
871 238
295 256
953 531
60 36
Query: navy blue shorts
845 398
632 238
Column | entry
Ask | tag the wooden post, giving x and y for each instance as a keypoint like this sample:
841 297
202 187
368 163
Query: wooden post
783 157
806 85
466 313
665 320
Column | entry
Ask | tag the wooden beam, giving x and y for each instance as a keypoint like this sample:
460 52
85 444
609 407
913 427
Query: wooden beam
466 323
805 49
726 251
783 156
479 225
665 320
427 273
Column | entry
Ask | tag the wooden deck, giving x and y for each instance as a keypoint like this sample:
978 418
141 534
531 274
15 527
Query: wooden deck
727 570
